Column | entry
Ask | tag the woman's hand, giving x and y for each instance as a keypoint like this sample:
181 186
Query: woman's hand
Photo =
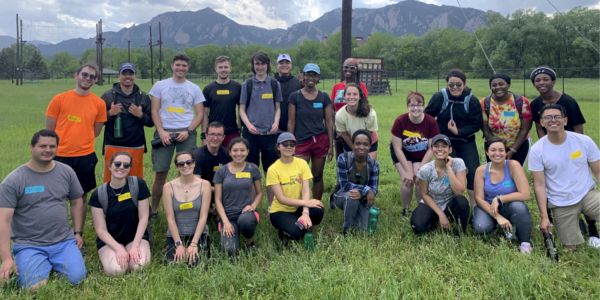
330 153
306 219
247 208
179 253
409 178
504 223
228 230
355 195
444 222
314 203
452 127
449 161
135 255
192 253
494 208
122 257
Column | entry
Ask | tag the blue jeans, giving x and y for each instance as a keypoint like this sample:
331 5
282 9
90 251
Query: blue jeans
36 262
516 212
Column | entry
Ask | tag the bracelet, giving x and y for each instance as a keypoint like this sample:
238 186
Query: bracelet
203 136
305 212
512 149
80 233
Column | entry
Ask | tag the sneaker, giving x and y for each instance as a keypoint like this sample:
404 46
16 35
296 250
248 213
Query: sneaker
525 248
405 213
250 247
594 242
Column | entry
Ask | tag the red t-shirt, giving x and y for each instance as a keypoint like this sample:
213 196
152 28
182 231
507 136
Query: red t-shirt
337 94
415 136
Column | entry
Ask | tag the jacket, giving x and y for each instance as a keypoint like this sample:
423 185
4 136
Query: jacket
467 125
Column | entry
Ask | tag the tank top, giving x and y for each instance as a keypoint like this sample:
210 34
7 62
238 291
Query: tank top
504 187
187 214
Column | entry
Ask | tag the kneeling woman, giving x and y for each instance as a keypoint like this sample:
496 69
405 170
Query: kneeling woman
501 188
120 211
442 182
233 197
289 177
358 181
186 200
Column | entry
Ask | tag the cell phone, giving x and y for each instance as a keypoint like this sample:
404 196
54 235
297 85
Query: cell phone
301 225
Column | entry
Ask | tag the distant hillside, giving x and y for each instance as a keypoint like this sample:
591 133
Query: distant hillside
6 41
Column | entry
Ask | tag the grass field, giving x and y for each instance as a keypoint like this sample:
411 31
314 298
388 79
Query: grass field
391 263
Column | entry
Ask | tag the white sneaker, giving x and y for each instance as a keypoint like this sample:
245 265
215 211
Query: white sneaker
594 242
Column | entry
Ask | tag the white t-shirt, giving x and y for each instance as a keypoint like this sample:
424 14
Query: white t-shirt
568 176
177 102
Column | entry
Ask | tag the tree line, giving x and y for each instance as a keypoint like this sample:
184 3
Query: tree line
522 40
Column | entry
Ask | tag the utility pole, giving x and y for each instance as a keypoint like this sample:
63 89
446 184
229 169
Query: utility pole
17 52
128 51
99 42
22 43
151 58
159 52
346 33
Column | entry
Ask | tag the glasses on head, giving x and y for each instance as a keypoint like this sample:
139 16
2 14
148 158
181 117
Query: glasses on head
118 164
555 117
86 75
188 162
288 144
350 67
415 105
452 84
223 56
214 135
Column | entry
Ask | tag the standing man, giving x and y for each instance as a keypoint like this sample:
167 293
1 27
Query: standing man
222 98
260 112
560 163
174 102
289 84
34 215
77 116
129 109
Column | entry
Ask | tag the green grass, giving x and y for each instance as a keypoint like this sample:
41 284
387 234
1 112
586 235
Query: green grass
392 263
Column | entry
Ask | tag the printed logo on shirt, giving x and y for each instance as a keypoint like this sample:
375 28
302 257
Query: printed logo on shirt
447 180
74 118
339 97
508 183
34 189
318 105
577 154
509 114
292 179
175 109
242 175
124 197
267 96
411 134
222 92
186 206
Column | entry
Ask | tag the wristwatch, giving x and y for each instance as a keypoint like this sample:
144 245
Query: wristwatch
190 132
178 243
80 233
499 199
203 136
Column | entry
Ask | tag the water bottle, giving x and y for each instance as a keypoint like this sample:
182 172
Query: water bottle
373 215
509 235
550 249
118 127
309 240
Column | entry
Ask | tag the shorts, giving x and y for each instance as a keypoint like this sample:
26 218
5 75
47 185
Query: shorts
36 262
316 146
84 167
229 138
566 218
162 157
373 148
137 164
262 148
408 157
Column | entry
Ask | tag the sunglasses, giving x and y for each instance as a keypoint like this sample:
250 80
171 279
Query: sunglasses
188 162
288 144
118 164
86 75
451 85
349 67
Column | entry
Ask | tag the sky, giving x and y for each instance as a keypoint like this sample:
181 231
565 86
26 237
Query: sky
57 20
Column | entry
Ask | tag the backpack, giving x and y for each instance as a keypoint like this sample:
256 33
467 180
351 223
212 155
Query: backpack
487 105
134 190
447 100
250 84
337 186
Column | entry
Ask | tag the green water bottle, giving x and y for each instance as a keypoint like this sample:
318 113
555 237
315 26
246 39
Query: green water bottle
309 240
373 216
118 127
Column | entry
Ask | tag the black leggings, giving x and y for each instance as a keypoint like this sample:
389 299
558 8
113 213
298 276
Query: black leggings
424 218
285 222
468 153
203 247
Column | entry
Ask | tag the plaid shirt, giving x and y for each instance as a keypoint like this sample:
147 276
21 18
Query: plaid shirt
372 177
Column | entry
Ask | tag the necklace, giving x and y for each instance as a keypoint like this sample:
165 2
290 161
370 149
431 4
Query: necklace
188 186
121 191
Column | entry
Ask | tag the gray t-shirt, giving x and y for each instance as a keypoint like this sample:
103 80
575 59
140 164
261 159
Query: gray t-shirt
439 187
310 115
237 188
261 111
41 216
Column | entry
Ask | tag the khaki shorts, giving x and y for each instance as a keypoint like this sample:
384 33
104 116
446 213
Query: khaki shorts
566 218
163 157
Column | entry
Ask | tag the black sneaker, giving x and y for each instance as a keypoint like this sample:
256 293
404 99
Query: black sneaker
250 247
406 213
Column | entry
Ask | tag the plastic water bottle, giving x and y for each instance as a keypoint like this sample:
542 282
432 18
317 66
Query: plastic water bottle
118 127
550 249
373 216
309 240
512 235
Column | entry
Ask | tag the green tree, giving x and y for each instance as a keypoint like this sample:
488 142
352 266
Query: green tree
63 65
36 67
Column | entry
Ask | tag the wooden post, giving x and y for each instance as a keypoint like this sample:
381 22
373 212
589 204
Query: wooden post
128 51
346 34
17 57
159 52
151 58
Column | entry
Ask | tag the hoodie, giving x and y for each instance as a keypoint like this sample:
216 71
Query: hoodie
289 84
467 125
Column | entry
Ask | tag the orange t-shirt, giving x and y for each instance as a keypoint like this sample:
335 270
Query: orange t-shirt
75 117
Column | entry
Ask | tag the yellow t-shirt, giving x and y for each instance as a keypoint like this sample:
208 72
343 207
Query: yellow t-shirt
290 177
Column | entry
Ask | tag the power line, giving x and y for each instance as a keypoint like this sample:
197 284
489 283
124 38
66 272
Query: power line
561 14
467 19
186 5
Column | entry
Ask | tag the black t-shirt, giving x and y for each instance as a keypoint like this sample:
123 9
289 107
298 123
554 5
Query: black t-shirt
122 217
207 164
574 115
222 101
310 115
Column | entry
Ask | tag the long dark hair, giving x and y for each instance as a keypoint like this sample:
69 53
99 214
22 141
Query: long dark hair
364 108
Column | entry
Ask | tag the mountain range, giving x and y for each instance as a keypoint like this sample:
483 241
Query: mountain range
206 26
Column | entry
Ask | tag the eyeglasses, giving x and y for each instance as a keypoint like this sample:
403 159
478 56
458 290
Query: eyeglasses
349 67
188 162
452 84
214 135
313 75
415 105
556 117
118 164
86 75
288 144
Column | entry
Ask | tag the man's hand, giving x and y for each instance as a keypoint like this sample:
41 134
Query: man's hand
165 137
136 110
115 109
274 128
252 129
79 241
545 226
370 198
183 135
452 127
509 155
7 266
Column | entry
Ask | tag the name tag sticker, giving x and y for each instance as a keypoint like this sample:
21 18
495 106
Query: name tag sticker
34 189
215 168
175 109
285 180
508 183
446 180
267 96
186 205
74 119
318 105
509 114
124 197
222 92
242 175
577 154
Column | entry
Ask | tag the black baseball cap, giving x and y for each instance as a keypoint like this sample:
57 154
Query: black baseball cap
441 137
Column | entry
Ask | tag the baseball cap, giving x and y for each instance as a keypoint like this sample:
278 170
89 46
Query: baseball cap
127 66
441 137
312 68
286 136
284 57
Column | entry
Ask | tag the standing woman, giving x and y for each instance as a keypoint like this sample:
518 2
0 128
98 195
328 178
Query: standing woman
501 189
310 119
186 200
357 114
507 116
233 197
411 146
459 117
120 223
290 179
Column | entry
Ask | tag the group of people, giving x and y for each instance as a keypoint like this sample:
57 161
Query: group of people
286 123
